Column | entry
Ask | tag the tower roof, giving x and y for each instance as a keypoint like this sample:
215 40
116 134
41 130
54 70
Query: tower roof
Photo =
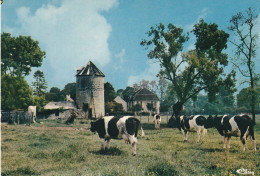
89 70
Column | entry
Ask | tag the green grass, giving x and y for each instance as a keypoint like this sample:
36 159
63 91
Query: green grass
54 148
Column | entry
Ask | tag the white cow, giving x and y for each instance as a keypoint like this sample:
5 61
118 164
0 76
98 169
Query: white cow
32 111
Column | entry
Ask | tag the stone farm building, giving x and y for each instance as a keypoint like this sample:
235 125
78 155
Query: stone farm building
143 97
90 90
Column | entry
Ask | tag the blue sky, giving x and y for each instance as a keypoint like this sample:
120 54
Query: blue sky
108 32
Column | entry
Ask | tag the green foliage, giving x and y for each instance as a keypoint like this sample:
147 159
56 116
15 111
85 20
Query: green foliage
244 28
55 95
244 98
109 92
136 108
119 92
113 107
150 107
40 84
203 67
127 93
39 102
19 54
70 89
16 93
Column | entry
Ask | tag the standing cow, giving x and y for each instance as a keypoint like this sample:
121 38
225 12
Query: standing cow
157 121
32 112
191 123
111 127
238 125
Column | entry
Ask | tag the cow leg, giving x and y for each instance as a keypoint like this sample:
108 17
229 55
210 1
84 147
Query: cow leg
254 144
103 144
159 125
204 132
224 141
184 132
108 143
228 142
133 142
198 133
243 138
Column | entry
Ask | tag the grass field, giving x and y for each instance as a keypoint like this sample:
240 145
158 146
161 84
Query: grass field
54 148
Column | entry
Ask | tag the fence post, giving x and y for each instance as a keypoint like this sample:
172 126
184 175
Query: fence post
18 118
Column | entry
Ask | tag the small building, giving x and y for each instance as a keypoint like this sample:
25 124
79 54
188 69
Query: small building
143 97
119 100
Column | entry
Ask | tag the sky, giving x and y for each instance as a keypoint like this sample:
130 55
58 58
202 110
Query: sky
109 32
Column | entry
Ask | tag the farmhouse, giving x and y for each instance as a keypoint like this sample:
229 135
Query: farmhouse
143 97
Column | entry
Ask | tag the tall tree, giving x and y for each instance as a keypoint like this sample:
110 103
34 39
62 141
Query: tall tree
55 95
109 92
119 92
40 84
127 93
243 27
193 71
19 54
70 89
16 93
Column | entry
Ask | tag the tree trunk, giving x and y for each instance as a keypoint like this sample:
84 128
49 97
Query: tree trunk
177 108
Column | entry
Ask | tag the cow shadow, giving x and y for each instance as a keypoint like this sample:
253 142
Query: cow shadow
113 151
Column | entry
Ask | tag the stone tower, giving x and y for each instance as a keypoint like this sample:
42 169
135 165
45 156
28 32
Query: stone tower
90 90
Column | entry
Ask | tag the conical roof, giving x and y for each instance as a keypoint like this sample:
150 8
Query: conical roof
89 70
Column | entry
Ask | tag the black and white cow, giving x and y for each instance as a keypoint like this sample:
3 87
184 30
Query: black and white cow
238 125
157 121
192 123
111 127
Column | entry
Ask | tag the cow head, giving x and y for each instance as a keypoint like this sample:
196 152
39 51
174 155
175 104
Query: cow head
93 127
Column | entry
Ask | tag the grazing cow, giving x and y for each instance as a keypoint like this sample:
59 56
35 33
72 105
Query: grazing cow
117 127
238 125
157 120
191 123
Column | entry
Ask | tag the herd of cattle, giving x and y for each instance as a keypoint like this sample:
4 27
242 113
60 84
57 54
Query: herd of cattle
112 127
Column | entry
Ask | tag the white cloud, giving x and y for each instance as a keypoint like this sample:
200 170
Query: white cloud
120 56
148 74
71 35
119 60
